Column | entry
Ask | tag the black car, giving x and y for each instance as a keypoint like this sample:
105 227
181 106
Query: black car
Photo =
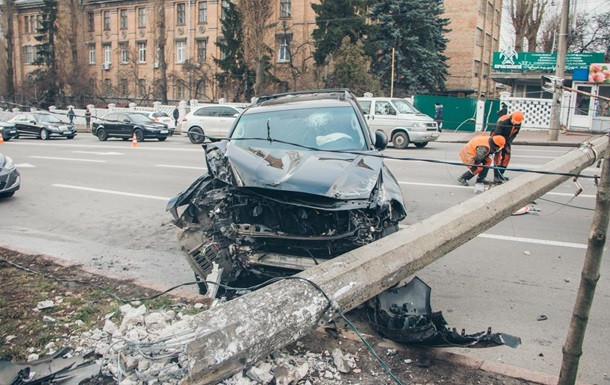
42 125
298 181
125 124
10 180
8 131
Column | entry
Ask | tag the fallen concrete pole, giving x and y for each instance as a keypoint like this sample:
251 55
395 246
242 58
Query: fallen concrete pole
240 332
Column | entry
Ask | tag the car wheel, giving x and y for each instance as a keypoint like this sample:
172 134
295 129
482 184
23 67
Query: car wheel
196 135
400 140
102 134
7 139
162 139
44 134
139 135
70 137
421 144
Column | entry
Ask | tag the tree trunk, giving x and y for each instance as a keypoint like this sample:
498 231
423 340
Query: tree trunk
572 350
9 11
160 54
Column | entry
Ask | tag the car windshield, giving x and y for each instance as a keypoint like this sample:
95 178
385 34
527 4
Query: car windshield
48 119
139 118
330 128
404 107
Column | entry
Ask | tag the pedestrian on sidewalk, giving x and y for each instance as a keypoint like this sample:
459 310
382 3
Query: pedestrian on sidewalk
503 110
71 115
88 119
438 115
508 127
477 153
176 115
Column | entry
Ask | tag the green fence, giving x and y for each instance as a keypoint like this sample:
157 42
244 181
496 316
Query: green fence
458 113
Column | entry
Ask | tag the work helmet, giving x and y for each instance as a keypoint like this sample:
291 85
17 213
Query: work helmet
517 117
499 141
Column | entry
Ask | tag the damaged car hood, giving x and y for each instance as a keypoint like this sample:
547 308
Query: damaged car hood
334 175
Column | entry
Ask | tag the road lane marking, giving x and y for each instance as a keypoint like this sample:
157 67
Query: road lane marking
141 147
70 159
24 165
98 153
111 192
185 167
471 187
533 240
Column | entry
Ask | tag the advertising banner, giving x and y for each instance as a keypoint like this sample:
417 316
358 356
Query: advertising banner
511 60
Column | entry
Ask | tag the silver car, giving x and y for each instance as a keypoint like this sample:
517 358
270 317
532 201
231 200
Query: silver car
400 120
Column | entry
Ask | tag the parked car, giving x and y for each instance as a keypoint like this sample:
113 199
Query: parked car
125 124
400 120
281 194
162 117
42 125
8 131
213 120
10 180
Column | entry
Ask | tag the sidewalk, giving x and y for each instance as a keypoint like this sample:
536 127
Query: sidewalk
526 137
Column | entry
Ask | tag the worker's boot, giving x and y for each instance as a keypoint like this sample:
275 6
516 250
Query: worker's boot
499 177
464 178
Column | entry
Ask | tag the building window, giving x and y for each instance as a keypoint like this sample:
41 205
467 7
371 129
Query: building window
142 87
123 19
124 87
90 21
124 53
141 17
108 86
141 52
202 51
180 89
477 67
107 53
29 53
38 22
478 37
106 20
283 53
27 24
285 8
223 47
33 24
180 51
180 13
202 12
92 54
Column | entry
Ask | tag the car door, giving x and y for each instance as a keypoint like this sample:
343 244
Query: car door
110 122
19 122
31 127
383 116
124 126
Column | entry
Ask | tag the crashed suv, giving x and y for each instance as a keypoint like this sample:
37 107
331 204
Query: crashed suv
299 180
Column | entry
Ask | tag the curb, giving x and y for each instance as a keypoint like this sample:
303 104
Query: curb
178 293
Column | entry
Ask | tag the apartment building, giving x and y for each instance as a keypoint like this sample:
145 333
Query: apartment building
474 36
118 42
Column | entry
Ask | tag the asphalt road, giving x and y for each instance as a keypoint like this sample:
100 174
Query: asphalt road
103 204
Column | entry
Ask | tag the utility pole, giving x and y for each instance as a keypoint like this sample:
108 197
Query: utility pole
392 81
559 71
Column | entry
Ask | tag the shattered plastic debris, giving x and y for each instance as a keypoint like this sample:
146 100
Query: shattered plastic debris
404 315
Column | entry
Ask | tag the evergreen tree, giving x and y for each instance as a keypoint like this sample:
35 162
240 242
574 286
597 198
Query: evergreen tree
235 75
351 69
46 76
415 29
336 19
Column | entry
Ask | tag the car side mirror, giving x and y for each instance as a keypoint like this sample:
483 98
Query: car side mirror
381 140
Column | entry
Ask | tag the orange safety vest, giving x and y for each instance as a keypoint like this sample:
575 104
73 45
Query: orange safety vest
469 151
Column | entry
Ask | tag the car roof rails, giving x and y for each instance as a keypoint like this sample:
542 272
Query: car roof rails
345 93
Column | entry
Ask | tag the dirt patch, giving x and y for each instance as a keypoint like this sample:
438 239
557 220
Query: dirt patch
81 306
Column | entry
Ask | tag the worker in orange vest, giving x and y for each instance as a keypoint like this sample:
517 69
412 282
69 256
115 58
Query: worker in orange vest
508 126
477 153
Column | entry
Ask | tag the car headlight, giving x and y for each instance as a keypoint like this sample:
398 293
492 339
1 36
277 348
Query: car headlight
53 128
421 125
9 165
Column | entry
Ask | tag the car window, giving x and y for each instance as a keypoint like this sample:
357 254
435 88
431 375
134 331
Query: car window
159 115
48 118
226 112
206 111
404 107
122 117
112 116
331 128
140 118
366 106
29 118
384 108
18 118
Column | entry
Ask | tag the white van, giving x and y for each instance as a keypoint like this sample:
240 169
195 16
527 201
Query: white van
400 120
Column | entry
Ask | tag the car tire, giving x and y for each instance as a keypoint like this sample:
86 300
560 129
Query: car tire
70 136
7 139
421 144
400 140
44 134
102 135
196 135
139 135
162 139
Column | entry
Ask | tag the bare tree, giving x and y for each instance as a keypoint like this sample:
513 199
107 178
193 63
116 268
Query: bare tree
588 33
194 77
161 38
256 14
534 22
300 61
526 17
